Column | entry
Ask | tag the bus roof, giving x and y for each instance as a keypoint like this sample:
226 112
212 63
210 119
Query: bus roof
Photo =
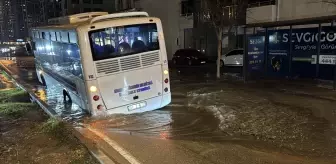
63 26
92 20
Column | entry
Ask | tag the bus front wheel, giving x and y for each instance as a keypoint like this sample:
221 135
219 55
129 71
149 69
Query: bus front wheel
43 81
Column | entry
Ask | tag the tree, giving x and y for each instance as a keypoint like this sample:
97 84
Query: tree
223 15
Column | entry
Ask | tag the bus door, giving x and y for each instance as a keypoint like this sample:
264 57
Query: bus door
81 90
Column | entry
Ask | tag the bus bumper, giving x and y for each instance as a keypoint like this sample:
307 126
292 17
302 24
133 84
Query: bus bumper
151 104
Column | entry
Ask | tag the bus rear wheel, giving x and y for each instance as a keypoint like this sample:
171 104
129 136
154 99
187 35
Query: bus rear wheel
66 97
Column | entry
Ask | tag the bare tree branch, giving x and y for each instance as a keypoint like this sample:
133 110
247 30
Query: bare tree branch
222 14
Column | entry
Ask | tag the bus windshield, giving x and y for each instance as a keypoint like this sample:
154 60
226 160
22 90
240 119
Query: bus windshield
121 41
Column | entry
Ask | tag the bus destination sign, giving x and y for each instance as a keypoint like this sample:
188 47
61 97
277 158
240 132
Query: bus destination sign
132 89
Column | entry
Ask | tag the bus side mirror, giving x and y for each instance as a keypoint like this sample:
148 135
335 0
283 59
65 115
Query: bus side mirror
30 47
33 46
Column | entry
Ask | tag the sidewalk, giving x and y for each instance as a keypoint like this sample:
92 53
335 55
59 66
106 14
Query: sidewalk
299 87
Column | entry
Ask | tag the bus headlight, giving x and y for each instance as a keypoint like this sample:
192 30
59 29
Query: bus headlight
165 72
93 89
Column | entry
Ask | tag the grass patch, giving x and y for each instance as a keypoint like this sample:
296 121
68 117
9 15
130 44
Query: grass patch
57 129
61 131
16 110
82 156
5 75
14 95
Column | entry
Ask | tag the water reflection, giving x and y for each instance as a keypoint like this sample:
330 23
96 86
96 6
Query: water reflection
53 97
165 123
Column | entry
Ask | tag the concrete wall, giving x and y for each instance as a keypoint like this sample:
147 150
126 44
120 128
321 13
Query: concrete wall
169 13
261 14
297 9
289 10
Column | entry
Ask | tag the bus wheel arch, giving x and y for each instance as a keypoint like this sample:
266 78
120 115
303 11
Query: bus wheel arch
65 96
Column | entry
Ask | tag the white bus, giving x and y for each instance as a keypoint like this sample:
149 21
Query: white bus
106 63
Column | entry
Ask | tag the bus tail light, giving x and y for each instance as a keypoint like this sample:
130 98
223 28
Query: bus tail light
166 89
166 80
165 72
100 107
95 97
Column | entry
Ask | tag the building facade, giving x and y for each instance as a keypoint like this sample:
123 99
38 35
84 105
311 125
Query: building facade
82 6
17 16
177 21
58 8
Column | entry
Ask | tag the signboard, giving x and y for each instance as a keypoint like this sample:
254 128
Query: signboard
255 51
278 54
133 89
325 59
304 50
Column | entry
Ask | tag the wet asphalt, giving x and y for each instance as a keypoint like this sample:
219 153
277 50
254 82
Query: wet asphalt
216 122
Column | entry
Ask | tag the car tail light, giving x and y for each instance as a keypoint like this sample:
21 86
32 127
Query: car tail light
166 80
95 97
100 107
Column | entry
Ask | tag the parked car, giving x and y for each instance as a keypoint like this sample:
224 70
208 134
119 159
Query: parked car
233 58
189 57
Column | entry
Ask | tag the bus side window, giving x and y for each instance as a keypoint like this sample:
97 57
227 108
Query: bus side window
65 37
58 36
53 36
73 37
29 47
43 35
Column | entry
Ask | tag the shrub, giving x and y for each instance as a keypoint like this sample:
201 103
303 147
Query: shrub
16 110
14 95
56 128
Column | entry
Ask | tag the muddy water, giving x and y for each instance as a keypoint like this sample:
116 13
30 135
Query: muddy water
263 119
286 121
51 95
215 112
22 139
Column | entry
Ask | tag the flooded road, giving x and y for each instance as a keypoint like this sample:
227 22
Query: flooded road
218 116
259 119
